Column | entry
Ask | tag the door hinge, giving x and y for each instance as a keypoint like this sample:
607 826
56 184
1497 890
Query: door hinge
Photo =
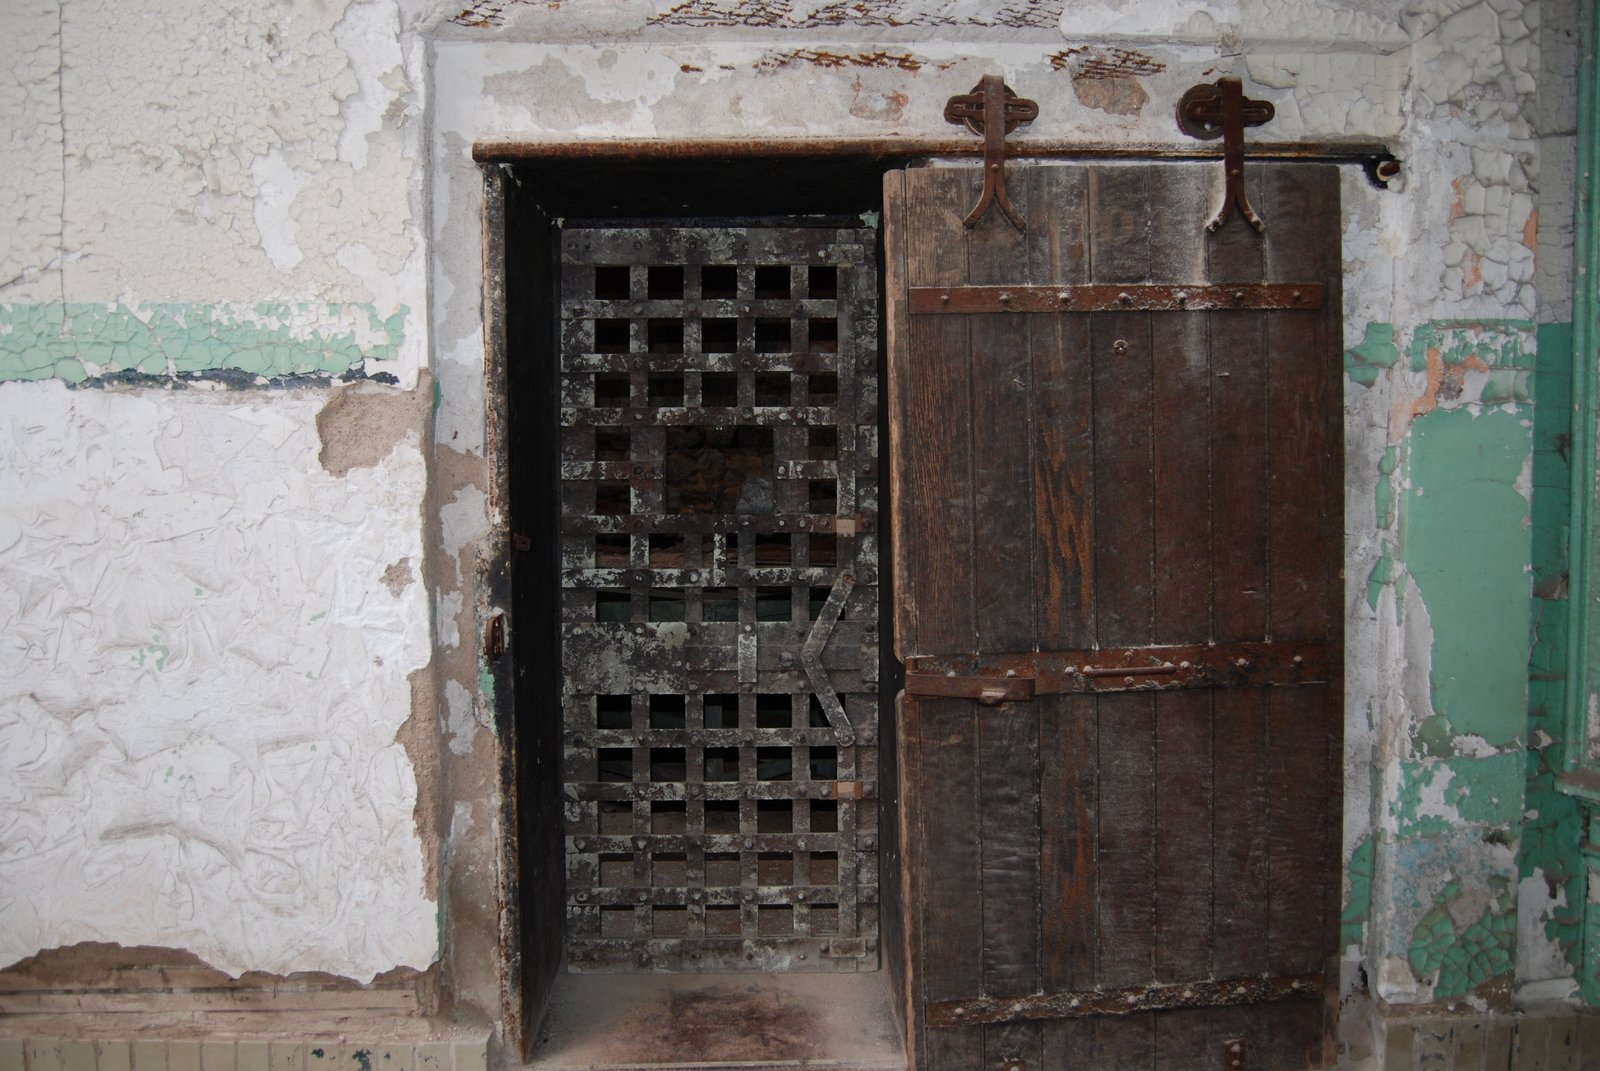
1233 1054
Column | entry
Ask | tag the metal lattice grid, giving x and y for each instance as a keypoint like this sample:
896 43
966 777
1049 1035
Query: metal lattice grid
720 603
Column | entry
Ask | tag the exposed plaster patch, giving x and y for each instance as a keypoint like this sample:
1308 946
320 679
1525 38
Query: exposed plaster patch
398 577
1108 79
362 423
277 185
463 520
1539 955
461 724
451 605
419 736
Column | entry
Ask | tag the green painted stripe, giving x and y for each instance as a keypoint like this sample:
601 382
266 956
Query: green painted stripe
79 340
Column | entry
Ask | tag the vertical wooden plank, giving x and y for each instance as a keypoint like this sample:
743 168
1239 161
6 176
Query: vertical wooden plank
914 806
1181 196
1119 251
1181 393
1119 346
1298 383
1183 888
1003 356
1063 416
1239 546
1001 385
937 548
1304 499
1238 436
951 952
1126 737
1297 839
1069 798
897 339
1063 473
1009 834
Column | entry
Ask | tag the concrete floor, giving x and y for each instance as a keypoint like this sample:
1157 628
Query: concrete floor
609 1022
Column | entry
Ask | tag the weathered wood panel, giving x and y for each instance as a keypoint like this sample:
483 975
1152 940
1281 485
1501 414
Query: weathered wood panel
1129 475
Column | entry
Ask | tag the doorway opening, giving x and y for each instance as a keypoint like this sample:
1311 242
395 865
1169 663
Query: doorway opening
692 351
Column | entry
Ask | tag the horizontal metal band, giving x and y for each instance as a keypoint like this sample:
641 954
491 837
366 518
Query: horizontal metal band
1117 298
1129 1000
1007 678
716 790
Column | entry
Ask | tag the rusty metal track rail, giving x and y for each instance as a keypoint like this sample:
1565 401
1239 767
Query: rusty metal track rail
1374 157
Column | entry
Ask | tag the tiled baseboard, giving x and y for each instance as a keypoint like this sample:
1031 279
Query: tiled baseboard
242 1054
1565 1040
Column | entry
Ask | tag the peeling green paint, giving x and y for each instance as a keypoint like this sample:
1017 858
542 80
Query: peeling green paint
1494 343
486 685
1481 950
1384 573
1435 795
1358 907
1465 540
1383 502
77 340
1375 352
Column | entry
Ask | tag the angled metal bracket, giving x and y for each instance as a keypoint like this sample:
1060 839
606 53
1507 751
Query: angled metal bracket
1222 110
992 111
811 658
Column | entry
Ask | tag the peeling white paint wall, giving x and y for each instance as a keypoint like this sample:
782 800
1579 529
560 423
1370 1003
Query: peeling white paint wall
203 678
319 155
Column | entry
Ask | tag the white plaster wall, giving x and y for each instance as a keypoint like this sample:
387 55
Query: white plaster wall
201 678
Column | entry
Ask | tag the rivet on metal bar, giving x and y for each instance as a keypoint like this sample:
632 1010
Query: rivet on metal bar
1209 111
992 110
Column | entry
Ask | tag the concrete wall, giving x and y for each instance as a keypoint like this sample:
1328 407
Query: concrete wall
240 680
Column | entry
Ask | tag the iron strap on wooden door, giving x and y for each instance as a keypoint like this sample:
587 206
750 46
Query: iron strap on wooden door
1117 494
1003 678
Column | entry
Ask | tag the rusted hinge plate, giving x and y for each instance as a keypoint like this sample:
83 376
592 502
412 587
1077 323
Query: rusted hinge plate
1233 1055
1130 1000
1019 677
1144 297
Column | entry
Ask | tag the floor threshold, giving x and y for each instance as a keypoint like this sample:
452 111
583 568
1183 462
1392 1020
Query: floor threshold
719 1022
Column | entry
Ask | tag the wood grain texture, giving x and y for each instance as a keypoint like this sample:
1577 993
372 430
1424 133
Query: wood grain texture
1001 376
1063 417
1138 494
936 481
951 952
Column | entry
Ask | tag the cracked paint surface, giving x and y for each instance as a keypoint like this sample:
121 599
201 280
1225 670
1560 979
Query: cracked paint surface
204 673
268 217
78 341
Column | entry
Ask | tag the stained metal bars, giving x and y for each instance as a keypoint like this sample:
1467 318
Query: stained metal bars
719 559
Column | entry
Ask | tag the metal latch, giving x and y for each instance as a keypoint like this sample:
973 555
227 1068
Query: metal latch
992 110
1207 111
